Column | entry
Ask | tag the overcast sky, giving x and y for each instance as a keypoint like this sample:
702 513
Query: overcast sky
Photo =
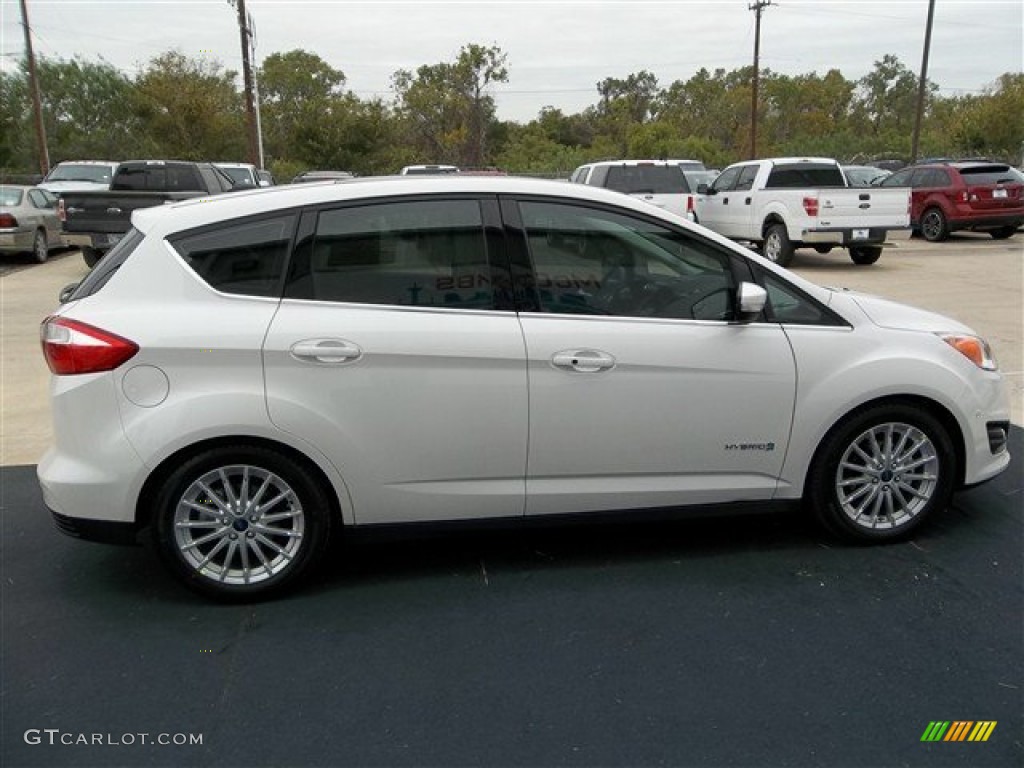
557 49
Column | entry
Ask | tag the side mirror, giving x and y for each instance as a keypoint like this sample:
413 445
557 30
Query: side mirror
702 189
65 293
750 302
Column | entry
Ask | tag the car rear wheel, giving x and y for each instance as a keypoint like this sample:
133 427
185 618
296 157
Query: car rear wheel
934 227
881 473
240 523
777 246
1003 233
865 254
40 250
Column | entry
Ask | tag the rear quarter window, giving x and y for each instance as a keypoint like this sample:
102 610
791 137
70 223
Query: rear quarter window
105 268
246 257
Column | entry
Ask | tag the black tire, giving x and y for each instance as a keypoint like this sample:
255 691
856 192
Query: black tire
881 472
1003 233
934 227
40 248
91 256
865 254
777 246
222 550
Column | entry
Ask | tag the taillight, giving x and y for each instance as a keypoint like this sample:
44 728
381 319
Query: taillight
7 221
811 206
689 205
71 347
62 214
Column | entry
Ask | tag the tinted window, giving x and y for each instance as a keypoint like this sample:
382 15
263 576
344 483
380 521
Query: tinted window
805 175
932 177
428 253
899 179
108 265
652 179
788 305
161 178
746 178
246 257
727 179
590 261
987 174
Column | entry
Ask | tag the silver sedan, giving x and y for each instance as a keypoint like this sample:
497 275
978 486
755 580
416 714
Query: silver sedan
28 221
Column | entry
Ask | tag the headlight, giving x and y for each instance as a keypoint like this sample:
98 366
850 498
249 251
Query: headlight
973 348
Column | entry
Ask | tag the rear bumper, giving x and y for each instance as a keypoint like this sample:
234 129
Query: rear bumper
845 236
16 240
982 223
96 241
102 531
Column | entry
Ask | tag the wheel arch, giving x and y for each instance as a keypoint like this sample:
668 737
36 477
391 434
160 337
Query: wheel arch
935 409
771 220
145 506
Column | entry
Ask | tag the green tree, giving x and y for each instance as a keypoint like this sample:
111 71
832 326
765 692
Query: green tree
446 108
189 109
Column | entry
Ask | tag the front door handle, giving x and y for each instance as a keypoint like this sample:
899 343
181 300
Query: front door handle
583 360
325 351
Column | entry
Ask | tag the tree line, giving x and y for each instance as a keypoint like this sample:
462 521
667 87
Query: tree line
191 108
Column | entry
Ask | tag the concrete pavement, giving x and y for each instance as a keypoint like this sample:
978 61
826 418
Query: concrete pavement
972 278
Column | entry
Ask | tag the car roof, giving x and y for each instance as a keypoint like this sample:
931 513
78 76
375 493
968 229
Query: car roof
162 220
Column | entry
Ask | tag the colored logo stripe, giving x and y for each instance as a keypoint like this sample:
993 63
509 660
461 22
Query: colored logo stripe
958 730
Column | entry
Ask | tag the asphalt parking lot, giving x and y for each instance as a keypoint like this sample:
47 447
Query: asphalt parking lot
744 641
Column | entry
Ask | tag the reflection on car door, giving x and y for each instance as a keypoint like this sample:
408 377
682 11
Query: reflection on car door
389 357
642 394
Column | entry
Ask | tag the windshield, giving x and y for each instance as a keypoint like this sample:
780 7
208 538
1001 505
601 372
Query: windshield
650 179
74 172
237 175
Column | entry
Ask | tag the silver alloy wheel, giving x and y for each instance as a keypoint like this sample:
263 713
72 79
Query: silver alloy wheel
887 476
772 246
238 524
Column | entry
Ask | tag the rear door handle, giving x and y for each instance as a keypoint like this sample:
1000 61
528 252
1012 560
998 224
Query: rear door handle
332 351
583 360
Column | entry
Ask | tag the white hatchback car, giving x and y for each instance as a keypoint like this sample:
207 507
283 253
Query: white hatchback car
246 373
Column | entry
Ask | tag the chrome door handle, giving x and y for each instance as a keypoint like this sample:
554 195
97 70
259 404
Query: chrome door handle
583 360
325 351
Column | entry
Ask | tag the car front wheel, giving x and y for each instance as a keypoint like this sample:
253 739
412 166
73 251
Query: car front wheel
241 523
881 473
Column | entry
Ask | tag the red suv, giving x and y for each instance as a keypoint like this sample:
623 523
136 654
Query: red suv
979 196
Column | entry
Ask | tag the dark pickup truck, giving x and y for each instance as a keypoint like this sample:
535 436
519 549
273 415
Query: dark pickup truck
95 221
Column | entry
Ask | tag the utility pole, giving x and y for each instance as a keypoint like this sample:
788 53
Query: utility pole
250 112
37 104
922 86
757 7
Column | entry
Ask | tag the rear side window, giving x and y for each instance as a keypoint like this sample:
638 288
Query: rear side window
243 257
424 253
105 268
988 174
650 179
804 175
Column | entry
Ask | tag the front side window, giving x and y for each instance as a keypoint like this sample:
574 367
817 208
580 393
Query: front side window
899 179
726 179
245 257
595 262
424 253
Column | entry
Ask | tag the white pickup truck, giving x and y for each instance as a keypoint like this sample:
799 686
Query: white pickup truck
782 204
